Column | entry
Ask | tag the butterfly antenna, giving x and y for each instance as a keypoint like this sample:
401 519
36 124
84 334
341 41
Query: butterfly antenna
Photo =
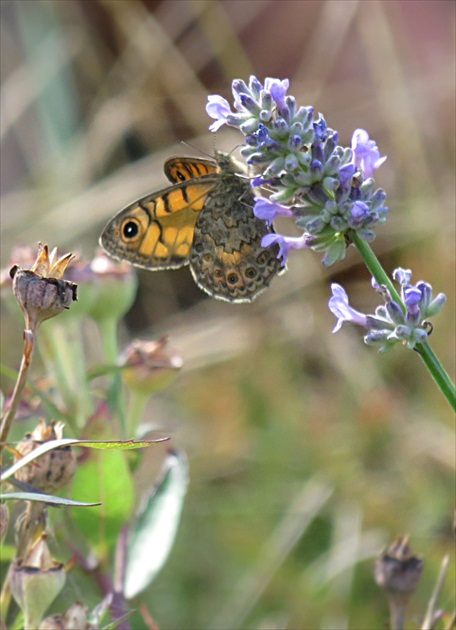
197 149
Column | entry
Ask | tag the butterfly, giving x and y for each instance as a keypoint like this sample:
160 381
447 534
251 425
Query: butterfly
205 219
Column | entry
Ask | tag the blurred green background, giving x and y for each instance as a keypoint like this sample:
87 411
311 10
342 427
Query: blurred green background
279 418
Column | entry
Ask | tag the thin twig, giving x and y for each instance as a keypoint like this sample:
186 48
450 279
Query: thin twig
9 415
430 612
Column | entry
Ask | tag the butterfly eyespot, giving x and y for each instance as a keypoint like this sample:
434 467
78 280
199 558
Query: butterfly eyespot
130 229
232 278
208 258
262 258
218 273
250 272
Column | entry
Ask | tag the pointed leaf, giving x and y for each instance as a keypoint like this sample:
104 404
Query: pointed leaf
155 528
51 444
44 498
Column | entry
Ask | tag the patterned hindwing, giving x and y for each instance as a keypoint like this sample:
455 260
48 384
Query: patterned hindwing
156 231
182 169
227 259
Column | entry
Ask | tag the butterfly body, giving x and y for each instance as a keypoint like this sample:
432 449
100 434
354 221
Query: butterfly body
205 219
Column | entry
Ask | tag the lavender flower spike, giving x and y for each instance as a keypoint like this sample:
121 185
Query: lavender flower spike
339 306
217 107
366 155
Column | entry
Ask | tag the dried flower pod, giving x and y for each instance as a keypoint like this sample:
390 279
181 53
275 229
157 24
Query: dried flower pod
150 365
397 569
75 618
36 581
398 572
40 291
4 520
53 622
52 470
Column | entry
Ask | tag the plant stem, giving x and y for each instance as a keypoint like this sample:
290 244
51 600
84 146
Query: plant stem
8 417
374 266
434 366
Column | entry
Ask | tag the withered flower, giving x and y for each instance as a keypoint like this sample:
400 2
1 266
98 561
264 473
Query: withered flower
40 291
52 470
398 571
4 520
35 581
150 365
74 617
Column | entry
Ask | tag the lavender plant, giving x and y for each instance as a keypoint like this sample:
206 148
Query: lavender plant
330 192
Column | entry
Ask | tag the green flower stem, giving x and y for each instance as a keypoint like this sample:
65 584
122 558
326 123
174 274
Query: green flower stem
64 340
438 372
137 402
434 366
374 266
56 365
108 333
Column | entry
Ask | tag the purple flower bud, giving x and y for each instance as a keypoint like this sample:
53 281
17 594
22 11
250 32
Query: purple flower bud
255 85
366 155
248 103
412 299
291 162
346 172
358 213
339 306
294 142
395 312
278 89
425 290
435 305
320 129
316 168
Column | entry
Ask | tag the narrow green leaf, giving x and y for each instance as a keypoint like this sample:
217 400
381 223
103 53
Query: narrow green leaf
155 528
44 498
101 444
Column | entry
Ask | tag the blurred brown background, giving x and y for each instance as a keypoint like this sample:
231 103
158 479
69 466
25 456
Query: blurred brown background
95 96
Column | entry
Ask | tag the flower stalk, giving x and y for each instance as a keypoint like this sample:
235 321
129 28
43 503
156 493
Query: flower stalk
9 415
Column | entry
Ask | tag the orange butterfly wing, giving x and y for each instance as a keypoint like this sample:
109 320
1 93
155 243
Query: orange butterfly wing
156 231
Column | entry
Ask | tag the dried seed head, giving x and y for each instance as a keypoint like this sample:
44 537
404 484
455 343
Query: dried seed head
53 622
52 470
36 581
150 365
397 570
75 618
4 520
40 291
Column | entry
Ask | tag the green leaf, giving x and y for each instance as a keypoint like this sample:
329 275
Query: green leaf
103 477
44 498
101 444
155 528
